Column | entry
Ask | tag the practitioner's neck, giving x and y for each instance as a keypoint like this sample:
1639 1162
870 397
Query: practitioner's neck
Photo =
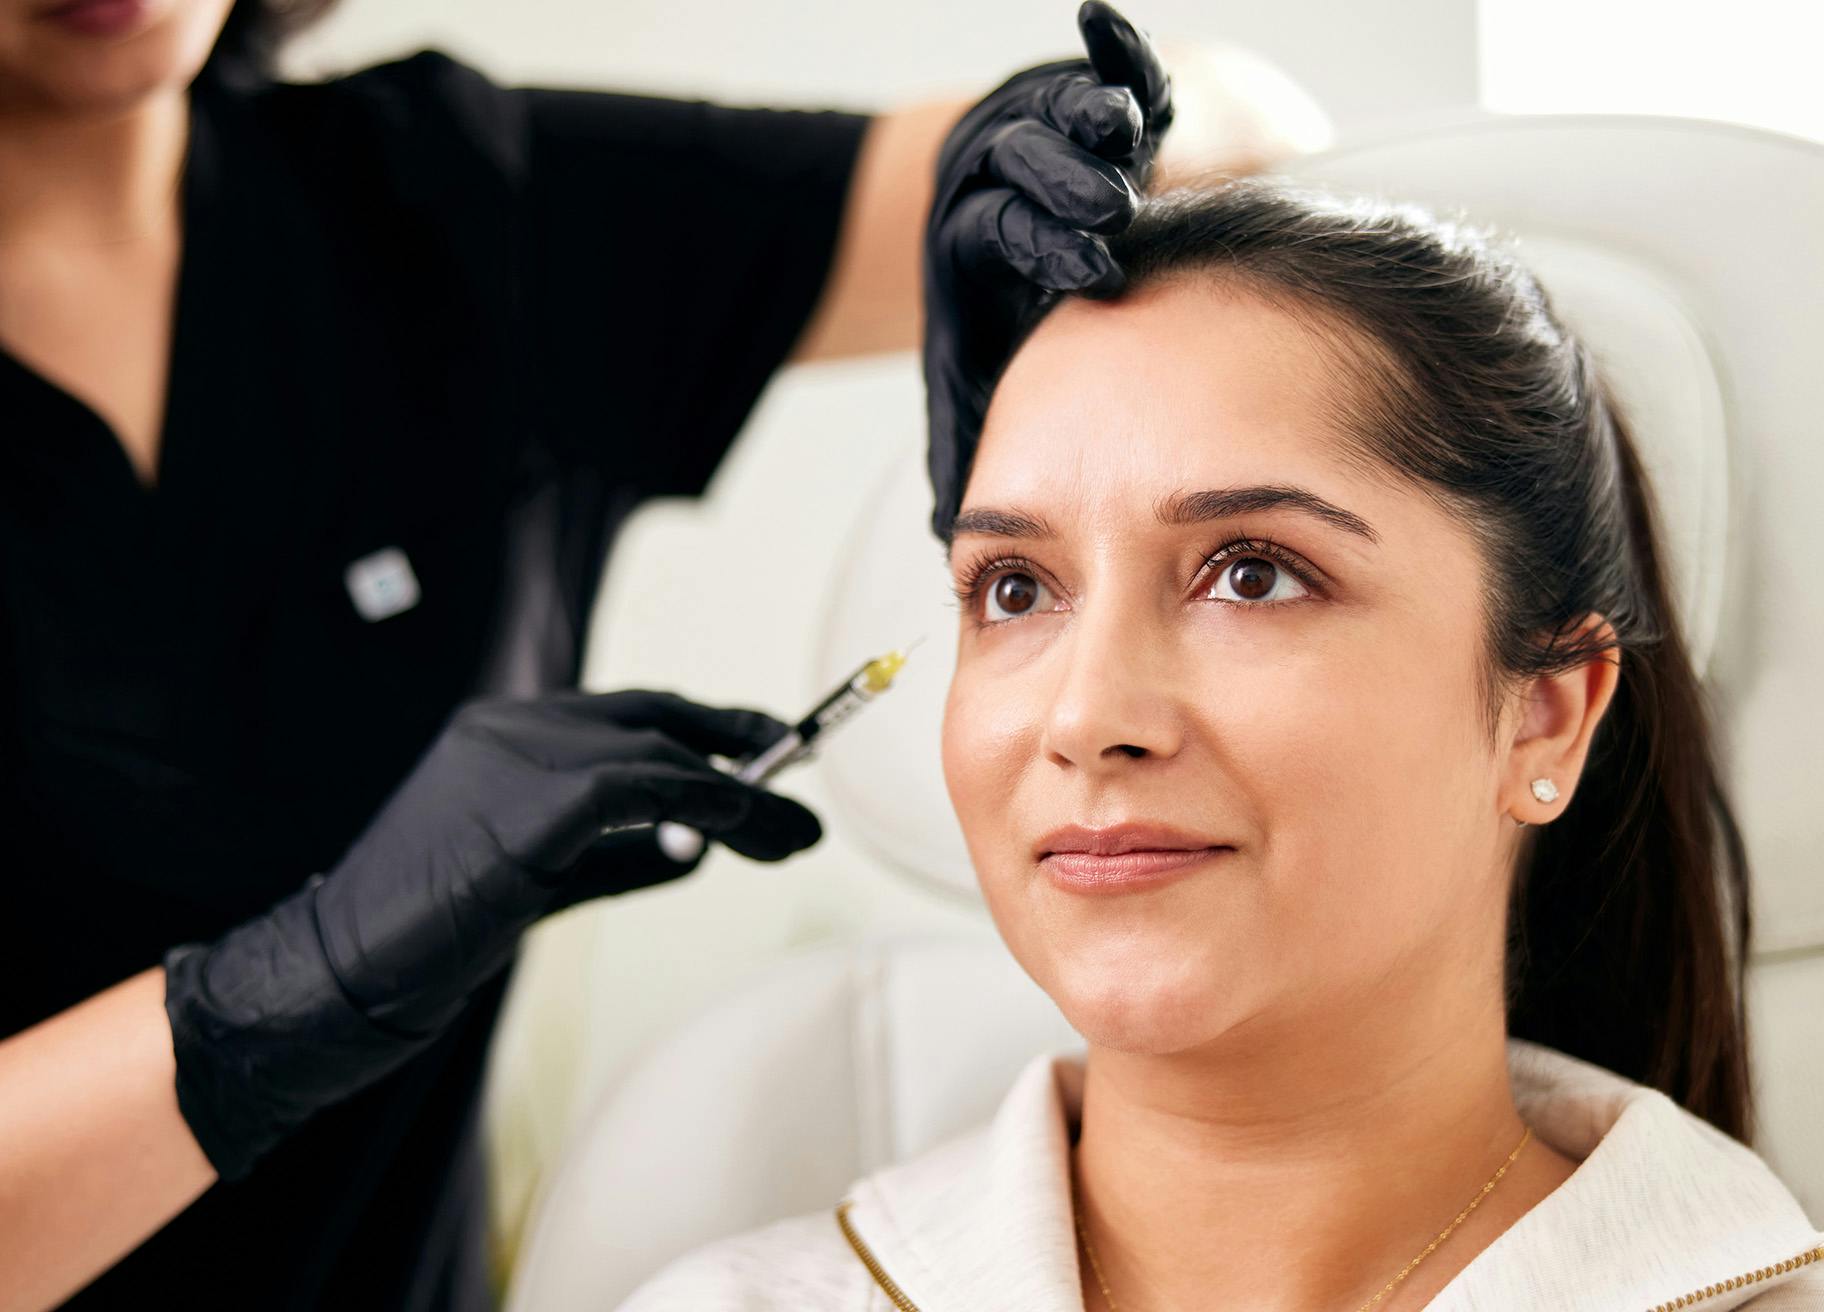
70 179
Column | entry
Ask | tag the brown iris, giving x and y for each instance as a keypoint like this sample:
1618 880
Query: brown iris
1015 593
1253 578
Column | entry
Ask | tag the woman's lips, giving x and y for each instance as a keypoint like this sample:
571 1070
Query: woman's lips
1123 872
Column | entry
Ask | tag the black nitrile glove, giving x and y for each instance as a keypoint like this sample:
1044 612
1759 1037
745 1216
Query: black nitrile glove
1025 181
499 824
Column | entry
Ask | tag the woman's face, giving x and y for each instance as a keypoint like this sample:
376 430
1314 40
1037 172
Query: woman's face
1211 627
101 56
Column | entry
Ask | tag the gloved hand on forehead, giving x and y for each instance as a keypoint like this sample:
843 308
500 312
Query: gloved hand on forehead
500 824
1028 183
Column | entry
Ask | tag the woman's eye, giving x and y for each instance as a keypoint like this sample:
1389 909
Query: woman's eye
1255 578
1012 595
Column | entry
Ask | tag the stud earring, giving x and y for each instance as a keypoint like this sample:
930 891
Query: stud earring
1544 790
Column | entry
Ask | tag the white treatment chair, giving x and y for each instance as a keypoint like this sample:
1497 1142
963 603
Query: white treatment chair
1691 256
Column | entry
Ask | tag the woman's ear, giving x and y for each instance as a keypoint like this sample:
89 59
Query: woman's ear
1558 718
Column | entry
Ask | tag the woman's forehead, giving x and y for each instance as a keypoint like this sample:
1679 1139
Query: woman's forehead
1186 384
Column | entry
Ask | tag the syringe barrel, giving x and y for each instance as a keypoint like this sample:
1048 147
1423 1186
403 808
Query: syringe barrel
773 758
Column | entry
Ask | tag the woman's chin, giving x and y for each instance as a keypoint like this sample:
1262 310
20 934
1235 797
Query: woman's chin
1143 1003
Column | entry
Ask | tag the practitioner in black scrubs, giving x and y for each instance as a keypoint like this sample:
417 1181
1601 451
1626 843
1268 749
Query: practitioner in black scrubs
319 408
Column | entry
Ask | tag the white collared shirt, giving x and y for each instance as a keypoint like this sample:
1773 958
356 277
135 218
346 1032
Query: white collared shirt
1664 1207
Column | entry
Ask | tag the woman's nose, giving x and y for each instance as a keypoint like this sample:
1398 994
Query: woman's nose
1113 700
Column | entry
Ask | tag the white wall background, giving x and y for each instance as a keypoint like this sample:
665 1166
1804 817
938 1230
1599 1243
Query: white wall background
1367 60
1749 61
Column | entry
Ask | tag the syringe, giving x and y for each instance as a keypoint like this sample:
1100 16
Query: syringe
682 843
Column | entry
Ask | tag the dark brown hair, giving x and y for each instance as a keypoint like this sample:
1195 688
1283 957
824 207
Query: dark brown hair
253 32
1629 915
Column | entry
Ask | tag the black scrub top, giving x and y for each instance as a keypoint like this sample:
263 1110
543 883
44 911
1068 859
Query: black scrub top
444 333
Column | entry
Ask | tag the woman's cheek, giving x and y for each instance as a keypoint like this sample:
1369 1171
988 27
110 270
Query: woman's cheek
975 748
1359 767
1297 734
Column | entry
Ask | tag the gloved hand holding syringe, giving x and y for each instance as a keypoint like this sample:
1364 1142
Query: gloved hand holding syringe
683 844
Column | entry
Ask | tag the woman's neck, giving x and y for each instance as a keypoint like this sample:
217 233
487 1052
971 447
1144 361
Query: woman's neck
69 180
1276 1172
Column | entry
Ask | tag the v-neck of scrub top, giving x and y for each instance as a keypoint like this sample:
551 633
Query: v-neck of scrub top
183 575
214 378
97 455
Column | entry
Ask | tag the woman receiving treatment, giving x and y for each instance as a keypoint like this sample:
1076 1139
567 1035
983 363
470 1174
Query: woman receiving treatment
1328 751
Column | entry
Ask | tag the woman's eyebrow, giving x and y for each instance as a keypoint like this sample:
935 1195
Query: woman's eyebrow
1185 508
1179 510
998 524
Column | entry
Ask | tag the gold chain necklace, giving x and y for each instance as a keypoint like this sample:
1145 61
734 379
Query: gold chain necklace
1095 1264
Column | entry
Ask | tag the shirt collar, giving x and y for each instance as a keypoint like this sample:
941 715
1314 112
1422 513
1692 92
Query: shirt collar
1662 1206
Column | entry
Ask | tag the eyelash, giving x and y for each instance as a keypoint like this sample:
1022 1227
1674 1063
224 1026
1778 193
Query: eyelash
980 573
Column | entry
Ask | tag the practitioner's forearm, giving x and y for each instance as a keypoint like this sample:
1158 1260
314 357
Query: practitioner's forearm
94 1154
870 302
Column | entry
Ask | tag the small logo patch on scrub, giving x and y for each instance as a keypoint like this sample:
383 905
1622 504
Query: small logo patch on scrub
382 584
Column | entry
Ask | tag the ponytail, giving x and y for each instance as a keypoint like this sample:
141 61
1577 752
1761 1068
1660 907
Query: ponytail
1629 922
